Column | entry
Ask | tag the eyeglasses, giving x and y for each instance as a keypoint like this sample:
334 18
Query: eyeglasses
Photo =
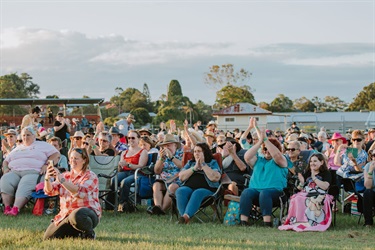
103 140
78 138
264 148
78 150
357 139
20 141
86 143
131 138
291 149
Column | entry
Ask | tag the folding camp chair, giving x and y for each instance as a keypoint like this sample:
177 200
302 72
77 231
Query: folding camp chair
348 186
215 201
105 167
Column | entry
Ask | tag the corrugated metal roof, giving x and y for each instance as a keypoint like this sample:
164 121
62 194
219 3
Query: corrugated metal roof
32 102
321 117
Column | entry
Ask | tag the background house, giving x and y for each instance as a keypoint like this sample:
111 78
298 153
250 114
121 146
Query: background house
238 116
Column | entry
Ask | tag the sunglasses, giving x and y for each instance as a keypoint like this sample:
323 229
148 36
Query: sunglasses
291 149
357 139
86 143
264 148
131 138
20 141
78 150
78 138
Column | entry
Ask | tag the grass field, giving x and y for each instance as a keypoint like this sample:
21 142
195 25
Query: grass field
141 231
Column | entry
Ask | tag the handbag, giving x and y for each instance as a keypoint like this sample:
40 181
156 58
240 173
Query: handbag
232 216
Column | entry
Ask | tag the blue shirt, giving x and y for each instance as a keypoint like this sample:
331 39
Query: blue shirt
267 174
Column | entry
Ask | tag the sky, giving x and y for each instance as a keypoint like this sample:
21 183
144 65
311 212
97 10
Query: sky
296 48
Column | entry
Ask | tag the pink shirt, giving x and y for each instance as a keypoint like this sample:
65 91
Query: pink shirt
31 157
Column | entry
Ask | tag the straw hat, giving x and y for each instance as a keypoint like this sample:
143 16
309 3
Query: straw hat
11 132
145 130
169 138
78 133
211 123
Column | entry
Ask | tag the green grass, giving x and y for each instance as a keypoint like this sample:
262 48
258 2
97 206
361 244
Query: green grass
141 231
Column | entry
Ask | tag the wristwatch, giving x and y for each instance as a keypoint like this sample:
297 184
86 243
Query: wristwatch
129 165
62 180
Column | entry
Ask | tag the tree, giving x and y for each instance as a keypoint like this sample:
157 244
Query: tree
14 86
334 104
130 99
142 116
202 112
52 97
174 94
365 100
220 76
304 104
264 105
281 103
146 92
230 95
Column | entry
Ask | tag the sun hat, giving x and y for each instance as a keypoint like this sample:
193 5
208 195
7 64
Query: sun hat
42 132
337 136
292 137
131 117
169 138
145 130
114 131
78 133
11 132
209 133
211 123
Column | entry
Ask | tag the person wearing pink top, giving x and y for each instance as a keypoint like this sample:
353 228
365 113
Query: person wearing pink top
22 168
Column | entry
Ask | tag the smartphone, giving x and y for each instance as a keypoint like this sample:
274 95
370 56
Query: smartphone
354 151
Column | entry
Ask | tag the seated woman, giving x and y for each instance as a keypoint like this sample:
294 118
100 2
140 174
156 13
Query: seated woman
234 165
369 194
76 141
269 177
22 168
167 166
104 139
200 178
79 198
310 209
353 160
131 159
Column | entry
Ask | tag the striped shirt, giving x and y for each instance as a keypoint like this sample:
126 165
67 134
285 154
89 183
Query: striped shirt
87 195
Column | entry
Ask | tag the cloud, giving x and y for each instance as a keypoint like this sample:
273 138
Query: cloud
72 64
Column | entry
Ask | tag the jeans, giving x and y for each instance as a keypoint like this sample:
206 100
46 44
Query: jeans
120 176
368 204
81 220
189 200
266 197
125 188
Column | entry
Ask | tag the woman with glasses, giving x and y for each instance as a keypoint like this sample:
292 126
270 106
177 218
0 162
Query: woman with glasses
269 176
76 141
22 168
131 159
79 198
353 160
310 208
104 148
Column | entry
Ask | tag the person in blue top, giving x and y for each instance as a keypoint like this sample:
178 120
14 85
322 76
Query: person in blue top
269 176
200 178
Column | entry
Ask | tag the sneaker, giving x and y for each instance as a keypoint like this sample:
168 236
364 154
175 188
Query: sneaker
7 210
14 211
89 236
149 210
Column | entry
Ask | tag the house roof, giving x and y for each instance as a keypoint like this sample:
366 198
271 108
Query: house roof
242 109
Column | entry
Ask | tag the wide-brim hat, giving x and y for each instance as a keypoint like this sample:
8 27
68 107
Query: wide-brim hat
169 138
209 133
78 134
145 130
114 131
292 137
11 132
211 123
337 136
43 133
131 117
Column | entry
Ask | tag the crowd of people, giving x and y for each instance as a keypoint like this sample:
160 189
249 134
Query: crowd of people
261 164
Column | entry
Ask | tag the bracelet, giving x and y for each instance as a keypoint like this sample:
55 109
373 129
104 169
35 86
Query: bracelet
192 169
94 147
46 179
265 139
369 173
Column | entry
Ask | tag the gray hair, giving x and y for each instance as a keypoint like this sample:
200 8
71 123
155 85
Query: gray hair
30 129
